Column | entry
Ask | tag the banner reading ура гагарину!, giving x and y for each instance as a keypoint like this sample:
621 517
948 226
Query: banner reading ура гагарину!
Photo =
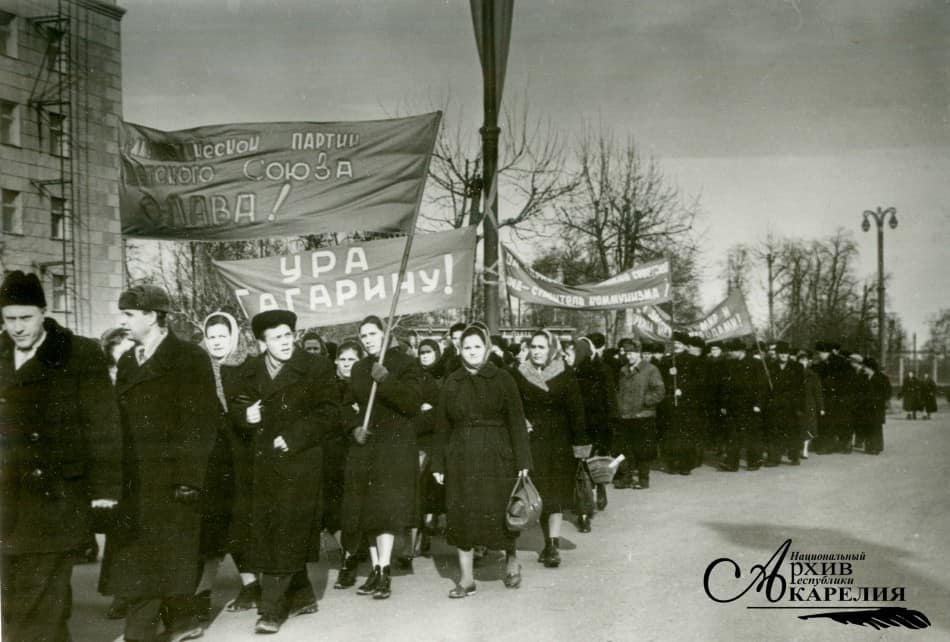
346 283
246 181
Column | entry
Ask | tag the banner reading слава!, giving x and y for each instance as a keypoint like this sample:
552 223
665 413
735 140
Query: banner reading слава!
345 283
245 181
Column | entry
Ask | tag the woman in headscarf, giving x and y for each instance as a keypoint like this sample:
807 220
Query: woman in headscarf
382 465
223 342
334 458
555 414
481 449
430 498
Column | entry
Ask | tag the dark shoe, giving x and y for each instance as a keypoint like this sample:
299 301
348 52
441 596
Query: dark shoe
545 553
601 496
347 576
371 582
117 609
461 591
583 524
513 580
188 633
383 586
202 605
302 603
554 558
247 599
267 624
754 465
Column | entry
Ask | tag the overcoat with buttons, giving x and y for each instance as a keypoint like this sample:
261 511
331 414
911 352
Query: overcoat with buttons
379 486
60 443
299 404
170 416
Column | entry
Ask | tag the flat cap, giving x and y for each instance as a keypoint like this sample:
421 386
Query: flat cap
145 297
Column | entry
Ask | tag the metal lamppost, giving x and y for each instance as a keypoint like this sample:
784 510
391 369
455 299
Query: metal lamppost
879 215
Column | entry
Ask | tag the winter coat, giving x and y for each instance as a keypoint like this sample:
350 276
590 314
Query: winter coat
683 418
745 388
786 401
481 444
639 390
298 405
170 415
837 386
880 395
380 479
910 393
598 392
556 417
813 403
928 395
60 443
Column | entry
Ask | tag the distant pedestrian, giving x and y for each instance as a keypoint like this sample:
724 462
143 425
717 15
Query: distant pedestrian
911 395
928 394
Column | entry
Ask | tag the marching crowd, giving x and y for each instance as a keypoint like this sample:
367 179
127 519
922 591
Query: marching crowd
183 454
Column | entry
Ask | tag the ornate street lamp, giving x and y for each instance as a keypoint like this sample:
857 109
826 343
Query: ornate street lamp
879 215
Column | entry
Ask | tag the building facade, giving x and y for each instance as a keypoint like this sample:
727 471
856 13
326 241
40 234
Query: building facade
60 112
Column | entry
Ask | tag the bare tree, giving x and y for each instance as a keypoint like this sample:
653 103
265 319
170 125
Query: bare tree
532 170
625 211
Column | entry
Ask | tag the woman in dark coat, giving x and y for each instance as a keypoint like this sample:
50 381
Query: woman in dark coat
481 449
555 413
880 393
928 396
225 345
382 466
813 402
334 457
910 393
430 496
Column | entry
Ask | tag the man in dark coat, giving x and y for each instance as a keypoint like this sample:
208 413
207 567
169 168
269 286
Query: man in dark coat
684 376
783 429
880 393
60 447
745 393
170 413
837 387
283 402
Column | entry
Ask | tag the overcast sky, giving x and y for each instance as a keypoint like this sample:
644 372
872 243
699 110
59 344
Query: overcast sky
789 115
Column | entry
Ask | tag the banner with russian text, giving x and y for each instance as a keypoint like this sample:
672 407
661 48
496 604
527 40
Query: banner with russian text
345 283
653 323
644 284
728 320
246 181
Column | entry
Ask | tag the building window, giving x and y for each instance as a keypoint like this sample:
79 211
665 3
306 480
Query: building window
60 294
58 135
12 212
56 54
60 224
9 123
8 34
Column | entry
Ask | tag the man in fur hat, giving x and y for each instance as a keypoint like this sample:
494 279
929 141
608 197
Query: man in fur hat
60 447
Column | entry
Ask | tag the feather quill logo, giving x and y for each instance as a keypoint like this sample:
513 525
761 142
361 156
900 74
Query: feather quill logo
882 618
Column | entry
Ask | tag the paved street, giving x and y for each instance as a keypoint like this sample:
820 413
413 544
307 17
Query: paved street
639 575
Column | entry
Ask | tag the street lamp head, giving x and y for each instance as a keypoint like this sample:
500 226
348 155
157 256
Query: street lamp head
893 221
866 224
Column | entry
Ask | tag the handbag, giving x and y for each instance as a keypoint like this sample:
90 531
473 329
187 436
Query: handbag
584 501
524 505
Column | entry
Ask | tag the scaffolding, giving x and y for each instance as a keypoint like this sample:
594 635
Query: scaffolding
52 99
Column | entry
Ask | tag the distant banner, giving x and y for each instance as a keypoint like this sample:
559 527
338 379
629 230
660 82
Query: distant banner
653 323
345 283
246 181
728 320
642 285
